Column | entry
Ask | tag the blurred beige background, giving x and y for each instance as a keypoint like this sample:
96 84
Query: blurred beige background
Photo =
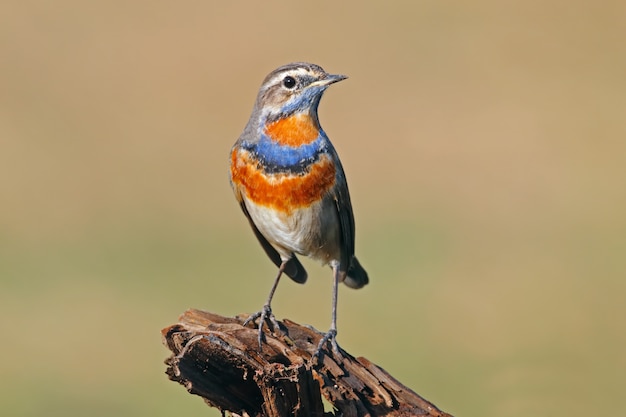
485 148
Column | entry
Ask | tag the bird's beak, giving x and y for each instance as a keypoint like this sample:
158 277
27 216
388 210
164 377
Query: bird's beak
328 80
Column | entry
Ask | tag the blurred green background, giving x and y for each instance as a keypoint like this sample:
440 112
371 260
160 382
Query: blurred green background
485 148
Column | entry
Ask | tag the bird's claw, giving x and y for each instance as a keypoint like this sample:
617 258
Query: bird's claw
266 317
331 337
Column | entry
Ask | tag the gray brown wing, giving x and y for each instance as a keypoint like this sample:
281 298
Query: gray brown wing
346 218
356 276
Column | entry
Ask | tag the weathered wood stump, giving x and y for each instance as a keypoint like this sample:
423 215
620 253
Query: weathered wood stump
218 359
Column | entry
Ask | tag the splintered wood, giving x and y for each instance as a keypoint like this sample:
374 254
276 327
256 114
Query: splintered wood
218 359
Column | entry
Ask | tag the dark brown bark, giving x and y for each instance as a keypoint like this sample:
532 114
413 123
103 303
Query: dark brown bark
218 359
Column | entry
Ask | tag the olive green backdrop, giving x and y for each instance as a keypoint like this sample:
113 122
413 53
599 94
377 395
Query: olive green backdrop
485 148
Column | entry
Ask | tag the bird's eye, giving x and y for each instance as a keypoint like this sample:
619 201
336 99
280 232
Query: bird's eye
289 82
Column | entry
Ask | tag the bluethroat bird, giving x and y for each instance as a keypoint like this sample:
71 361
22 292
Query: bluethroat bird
289 182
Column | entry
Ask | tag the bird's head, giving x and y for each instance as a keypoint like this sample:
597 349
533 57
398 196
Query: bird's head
293 88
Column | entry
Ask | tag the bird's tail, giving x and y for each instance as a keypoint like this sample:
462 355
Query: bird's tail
356 276
295 270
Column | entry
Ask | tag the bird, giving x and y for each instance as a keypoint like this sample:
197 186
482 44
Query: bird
290 184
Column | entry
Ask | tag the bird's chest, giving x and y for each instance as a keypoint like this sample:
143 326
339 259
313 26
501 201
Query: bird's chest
282 189
290 167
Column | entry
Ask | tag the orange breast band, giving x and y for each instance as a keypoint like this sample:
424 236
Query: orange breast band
282 191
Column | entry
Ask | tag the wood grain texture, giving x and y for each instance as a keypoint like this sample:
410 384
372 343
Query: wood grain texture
218 359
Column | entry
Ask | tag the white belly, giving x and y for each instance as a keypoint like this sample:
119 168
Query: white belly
312 232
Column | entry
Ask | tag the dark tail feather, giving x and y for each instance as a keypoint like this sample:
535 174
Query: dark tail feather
356 276
295 270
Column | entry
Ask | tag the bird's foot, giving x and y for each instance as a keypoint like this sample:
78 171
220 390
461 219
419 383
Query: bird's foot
266 317
331 337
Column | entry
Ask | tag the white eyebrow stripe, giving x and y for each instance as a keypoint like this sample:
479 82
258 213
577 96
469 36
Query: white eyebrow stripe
294 72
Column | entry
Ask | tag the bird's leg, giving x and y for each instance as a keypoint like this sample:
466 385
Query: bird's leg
332 333
266 312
